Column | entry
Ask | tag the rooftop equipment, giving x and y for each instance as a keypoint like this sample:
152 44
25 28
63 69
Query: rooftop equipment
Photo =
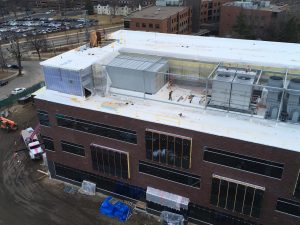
274 87
241 90
221 87
232 88
74 82
168 218
140 73
293 100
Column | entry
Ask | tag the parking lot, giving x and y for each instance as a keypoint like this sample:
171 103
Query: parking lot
45 23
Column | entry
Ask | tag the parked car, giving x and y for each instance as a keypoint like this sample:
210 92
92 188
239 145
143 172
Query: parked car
18 91
13 66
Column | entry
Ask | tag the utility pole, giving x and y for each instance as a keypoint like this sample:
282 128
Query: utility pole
85 25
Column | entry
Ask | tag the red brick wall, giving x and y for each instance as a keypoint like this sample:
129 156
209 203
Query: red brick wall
260 20
274 187
180 23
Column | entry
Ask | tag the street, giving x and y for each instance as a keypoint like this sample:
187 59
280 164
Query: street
32 74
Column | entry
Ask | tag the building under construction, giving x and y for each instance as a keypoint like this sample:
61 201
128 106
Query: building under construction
205 127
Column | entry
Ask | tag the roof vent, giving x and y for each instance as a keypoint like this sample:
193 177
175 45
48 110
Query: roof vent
294 84
244 78
223 75
275 81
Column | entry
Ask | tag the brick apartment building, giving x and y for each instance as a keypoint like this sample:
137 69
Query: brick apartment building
210 10
258 15
168 19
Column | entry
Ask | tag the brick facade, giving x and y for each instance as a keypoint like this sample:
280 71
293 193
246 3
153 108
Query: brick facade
274 188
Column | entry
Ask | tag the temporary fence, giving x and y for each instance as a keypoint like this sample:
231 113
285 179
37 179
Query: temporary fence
4 103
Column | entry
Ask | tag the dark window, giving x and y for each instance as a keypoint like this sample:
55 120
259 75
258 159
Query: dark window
137 24
103 183
168 149
72 148
150 25
235 196
156 26
48 143
97 128
210 216
126 24
143 25
297 187
288 206
43 118
214 196
169 174
250 164
110 162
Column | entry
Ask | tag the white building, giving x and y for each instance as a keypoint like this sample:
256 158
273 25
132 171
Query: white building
109 10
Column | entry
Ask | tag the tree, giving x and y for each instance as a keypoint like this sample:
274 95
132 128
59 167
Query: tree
242 29
2 58
290 31
89 7
37 42
15 50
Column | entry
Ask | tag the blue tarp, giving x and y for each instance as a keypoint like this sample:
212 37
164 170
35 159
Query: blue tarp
115 209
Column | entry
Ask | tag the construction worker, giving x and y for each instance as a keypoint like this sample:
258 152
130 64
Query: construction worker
170 95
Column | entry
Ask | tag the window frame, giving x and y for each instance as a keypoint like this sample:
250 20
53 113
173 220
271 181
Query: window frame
63 142
92 125
171 153
43 113
242 204
169 170
297 186
287 201
243 158
105 151
49 139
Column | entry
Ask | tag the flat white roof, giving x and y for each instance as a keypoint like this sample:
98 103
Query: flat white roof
207 49
219 123
236 126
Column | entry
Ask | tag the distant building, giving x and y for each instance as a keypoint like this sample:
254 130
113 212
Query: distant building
259 15
210 10
195 6
169 2
210 14
176 20
109 10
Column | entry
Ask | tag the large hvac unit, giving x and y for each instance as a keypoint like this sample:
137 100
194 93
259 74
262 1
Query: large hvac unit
241 91
140 73
221 88
293 100
274 87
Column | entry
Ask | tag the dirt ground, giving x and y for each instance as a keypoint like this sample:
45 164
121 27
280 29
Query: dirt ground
28 197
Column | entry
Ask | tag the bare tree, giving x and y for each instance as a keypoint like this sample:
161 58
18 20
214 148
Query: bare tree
16 51
37 42
2 58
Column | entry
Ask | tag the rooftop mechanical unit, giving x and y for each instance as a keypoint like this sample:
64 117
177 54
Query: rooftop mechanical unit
274 87
293 100
140 73
232 89
241 90
221 87
74 82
